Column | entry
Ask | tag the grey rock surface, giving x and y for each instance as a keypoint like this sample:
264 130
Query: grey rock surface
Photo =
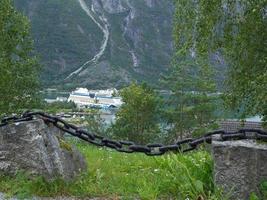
239 167
38 149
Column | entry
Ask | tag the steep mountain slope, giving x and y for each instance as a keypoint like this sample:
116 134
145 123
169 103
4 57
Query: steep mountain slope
101 43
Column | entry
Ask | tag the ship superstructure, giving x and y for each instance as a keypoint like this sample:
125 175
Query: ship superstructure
85 98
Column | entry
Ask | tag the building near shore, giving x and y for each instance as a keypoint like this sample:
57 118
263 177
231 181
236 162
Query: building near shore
85 98
232 125
58 99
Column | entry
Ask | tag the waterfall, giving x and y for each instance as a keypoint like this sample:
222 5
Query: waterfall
91 13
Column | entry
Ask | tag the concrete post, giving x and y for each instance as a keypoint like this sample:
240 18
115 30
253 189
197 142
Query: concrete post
239 166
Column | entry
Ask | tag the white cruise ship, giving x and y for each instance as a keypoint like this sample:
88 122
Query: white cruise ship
85 98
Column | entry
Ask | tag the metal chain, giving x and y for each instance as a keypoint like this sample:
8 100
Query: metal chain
185 145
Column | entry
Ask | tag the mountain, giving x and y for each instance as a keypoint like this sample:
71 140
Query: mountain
101 43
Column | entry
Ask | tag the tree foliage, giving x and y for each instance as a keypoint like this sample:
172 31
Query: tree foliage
137 120
237 29
192 102
191 78
95 123
18 66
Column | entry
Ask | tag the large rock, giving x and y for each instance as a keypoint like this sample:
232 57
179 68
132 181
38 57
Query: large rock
239 166
38 149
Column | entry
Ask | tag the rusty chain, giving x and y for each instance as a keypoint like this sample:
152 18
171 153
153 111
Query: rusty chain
185 145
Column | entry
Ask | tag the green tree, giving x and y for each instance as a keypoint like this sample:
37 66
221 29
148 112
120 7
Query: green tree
137 120
192 78
18 66
192 102
95 123
238 29
58 106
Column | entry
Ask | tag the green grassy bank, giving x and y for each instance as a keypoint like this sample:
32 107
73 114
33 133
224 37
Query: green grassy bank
126 176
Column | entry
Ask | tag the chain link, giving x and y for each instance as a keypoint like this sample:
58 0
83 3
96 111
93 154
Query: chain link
182 146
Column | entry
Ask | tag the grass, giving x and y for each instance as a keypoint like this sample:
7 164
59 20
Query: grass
126 176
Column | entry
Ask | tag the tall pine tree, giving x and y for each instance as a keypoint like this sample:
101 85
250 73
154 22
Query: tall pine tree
191 79
193 98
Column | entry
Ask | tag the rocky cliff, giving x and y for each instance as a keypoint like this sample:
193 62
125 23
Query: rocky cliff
101 43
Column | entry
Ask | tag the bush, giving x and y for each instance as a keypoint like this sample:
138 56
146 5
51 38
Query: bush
138 118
